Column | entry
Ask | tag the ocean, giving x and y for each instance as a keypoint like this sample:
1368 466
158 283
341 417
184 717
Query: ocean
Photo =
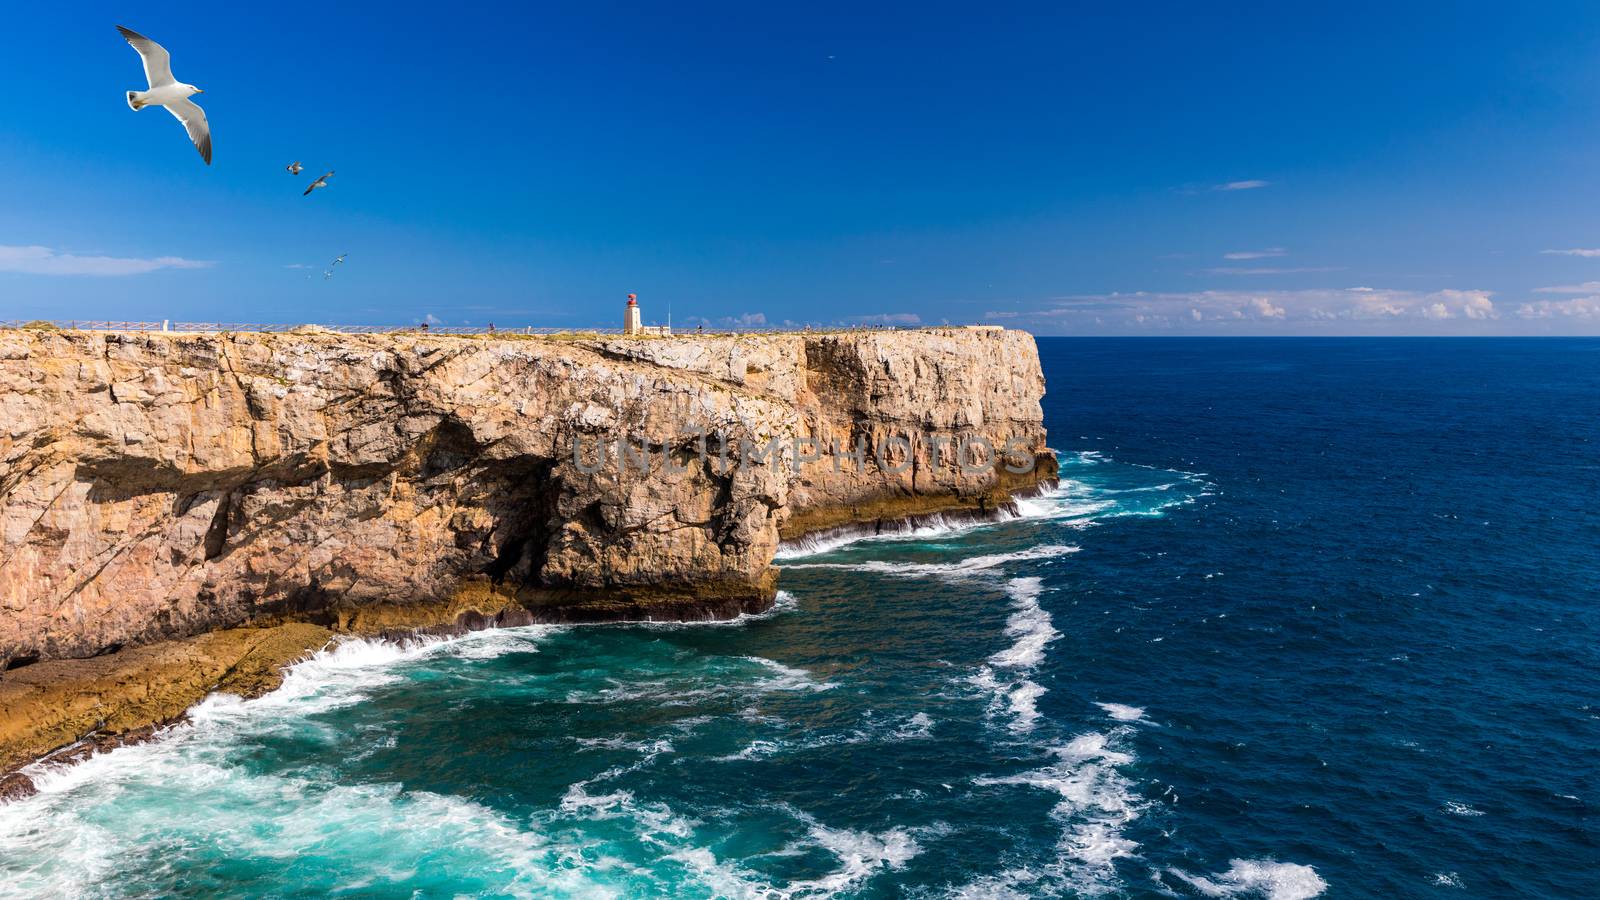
1306 618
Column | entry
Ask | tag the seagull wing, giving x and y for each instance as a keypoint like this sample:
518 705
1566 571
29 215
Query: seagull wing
194 122
312 186
157 61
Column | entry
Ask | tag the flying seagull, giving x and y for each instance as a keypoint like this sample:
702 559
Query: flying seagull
168 91
294 168
319 183
340 259
326 275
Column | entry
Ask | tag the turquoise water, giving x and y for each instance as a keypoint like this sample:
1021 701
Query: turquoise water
1304 619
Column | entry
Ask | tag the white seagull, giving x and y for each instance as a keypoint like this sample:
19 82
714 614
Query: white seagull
294 168
319 183
168 91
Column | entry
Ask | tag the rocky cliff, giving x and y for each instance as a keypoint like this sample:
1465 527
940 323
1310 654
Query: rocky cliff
157 487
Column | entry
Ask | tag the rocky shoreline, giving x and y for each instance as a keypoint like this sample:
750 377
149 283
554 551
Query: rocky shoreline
186 514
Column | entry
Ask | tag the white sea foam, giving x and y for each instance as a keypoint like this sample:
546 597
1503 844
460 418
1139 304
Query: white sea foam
922 528
1447 879
967 568
1457 808
877 730
1123 713
1029 626
917 727
782 602
861 855
1264 878
1007 676
1095 802
1074 502
787 678
373 833
1068 500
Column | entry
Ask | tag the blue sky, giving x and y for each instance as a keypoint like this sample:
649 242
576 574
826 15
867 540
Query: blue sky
1135 168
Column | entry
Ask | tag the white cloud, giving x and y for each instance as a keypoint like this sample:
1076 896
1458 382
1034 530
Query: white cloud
1575 307
1474 304
1266 309
1295 270
743 320
35 260
1268 253
1316 311
889 319
1575 251
1248 184
1588 287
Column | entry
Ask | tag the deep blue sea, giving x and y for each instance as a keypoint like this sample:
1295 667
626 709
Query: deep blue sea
1306 618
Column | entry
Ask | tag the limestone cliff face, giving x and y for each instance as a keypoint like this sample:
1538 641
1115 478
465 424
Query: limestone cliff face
160 486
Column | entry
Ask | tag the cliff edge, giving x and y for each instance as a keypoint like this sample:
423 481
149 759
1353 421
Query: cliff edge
159 487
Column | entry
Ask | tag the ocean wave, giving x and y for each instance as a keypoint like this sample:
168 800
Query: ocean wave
1066 500
1123 713
1029 626
878 730
936 525
1264 878
1073 501
1007 675
859 854
370 837
782 602
970 567
721 678
1095 802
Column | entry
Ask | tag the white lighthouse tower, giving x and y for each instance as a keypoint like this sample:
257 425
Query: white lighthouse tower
630 319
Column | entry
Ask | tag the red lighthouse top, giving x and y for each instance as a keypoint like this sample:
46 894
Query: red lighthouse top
633 299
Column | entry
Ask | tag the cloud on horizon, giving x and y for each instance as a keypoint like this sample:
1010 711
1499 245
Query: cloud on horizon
1330 311
887 319
36 260
742 320
1588 287
1268 253
1575 251
1248 184
1271 270
1572 308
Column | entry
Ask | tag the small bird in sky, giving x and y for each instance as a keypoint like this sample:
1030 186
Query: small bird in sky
168 91
319 183
326 275
294 168
340 259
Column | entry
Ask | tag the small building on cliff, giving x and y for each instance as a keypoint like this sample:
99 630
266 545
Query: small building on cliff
632 322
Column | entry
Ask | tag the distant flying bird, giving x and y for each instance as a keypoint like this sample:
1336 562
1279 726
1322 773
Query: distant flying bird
326 275
294 168
340 259
168 91
319 183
